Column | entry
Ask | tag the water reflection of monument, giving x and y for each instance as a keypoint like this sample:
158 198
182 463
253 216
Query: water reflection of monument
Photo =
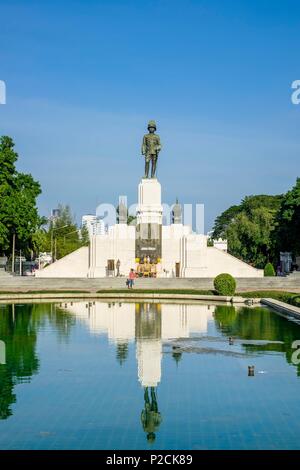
149 325
148 333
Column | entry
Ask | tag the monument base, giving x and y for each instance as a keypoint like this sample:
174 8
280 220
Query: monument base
150 248
148 241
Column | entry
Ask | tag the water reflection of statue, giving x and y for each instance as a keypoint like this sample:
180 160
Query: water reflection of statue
149 350
148 343
150 416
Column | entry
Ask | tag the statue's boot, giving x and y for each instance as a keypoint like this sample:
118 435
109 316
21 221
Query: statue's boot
147 164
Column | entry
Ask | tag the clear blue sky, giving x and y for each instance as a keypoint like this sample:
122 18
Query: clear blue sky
84 77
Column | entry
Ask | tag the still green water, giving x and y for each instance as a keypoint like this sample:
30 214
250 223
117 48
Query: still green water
127 375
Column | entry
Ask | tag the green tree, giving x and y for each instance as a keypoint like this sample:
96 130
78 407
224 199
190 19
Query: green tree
249 236
64 233
250 227
224 220
61 236
40 240
18 194
288 221
84 236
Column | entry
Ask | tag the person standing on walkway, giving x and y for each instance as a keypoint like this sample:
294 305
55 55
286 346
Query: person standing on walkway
131 279
118 264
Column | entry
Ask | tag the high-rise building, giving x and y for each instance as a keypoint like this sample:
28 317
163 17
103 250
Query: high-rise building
94 224
55 213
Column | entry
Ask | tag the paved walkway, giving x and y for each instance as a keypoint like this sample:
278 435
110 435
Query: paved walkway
22 284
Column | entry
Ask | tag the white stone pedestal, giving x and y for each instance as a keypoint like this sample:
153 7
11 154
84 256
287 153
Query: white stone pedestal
149 221
149 209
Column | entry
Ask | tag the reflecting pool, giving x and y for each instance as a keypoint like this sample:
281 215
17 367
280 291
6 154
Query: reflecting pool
125 375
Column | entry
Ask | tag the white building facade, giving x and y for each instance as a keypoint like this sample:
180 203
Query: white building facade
94 225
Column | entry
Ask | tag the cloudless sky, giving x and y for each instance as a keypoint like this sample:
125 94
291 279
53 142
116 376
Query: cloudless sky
84 77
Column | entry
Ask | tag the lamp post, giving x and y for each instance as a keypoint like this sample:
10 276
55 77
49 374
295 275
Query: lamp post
51 244
13 251
20 264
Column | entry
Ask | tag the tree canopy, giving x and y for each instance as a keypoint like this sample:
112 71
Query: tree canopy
288 233
62 235
18 194
250 228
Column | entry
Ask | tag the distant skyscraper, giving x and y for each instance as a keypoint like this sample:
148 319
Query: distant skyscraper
94 224
55 213
98 227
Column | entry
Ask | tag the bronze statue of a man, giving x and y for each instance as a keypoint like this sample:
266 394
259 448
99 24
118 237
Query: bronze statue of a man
150 149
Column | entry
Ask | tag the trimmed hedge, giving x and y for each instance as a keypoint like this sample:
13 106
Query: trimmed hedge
269 270
225 284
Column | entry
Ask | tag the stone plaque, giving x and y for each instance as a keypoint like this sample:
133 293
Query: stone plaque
148 241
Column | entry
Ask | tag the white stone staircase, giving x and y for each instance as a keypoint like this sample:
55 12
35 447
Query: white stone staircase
4 274
294 275
23 283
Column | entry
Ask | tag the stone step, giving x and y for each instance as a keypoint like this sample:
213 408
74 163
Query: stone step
294 274
4 274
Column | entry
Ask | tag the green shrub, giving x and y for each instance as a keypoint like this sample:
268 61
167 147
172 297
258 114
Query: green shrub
269 270
225 284
292 299
210 242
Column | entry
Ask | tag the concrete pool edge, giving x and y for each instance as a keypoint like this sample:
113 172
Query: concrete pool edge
125 296
282 307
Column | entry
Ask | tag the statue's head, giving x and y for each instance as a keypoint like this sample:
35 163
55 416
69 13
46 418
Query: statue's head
151 127
151 437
